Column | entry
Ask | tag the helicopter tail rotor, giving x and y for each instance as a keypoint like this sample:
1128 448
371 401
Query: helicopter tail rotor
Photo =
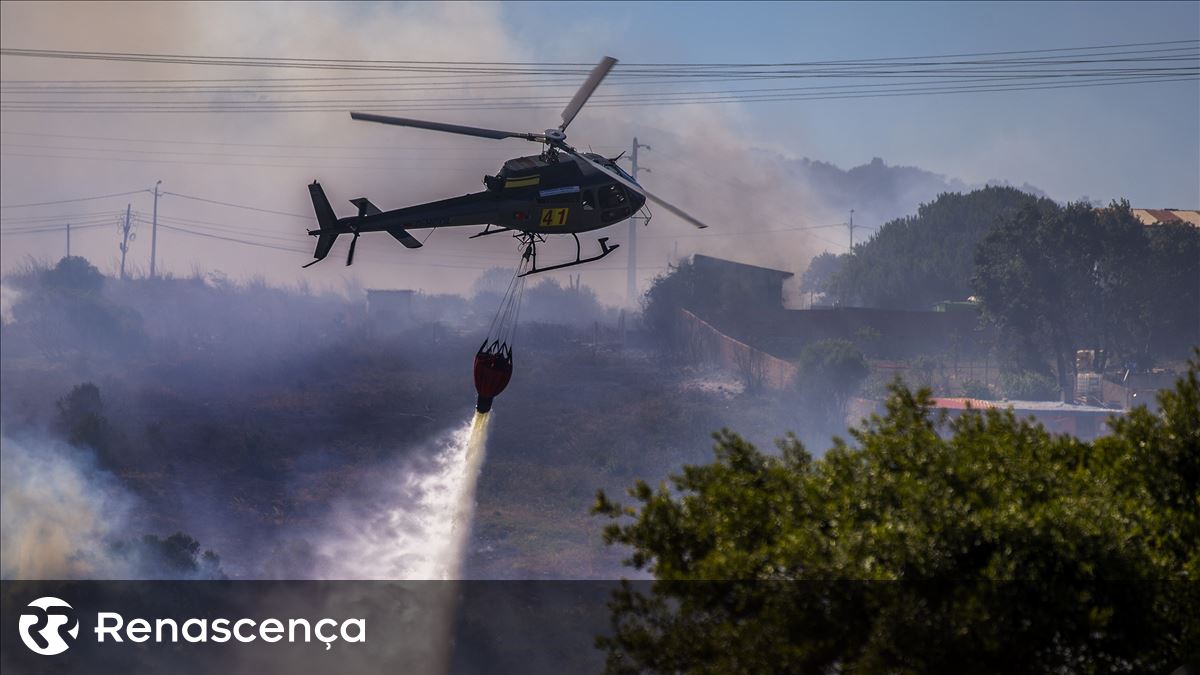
350 255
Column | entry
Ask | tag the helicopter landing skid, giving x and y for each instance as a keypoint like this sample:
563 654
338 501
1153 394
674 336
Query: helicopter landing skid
488 230
531 254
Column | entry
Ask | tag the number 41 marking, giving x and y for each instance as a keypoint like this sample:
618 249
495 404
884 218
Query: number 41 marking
552 217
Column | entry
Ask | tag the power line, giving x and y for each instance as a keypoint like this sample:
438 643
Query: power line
56 217
424 161
1056 68
829 241
417 261
231 239
259 165
1037 69
299 236
780 230
280 240
239 206
386 106
979 79
302 143
501 67
51 219
57 228
67 201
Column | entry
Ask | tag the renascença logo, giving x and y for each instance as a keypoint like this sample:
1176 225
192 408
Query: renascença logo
45 625
47 622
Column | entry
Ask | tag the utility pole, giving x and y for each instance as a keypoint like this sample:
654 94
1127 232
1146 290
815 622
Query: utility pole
153 231
125 237
68 240
631 281
851 230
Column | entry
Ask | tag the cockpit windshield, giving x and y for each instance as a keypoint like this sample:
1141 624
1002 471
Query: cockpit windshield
614 167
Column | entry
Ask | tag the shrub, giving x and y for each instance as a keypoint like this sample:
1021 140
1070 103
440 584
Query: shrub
1029 386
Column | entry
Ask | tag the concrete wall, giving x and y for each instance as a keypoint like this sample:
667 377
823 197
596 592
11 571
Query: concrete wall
881 333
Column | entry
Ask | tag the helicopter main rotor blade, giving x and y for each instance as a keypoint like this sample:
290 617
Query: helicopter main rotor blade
449 128
585 91
642 191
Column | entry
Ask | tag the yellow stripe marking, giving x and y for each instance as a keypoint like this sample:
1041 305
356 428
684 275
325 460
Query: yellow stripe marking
522 182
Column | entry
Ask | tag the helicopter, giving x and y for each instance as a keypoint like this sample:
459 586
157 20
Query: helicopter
559 191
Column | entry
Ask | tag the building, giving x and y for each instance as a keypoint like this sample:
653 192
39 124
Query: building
746 303
1158 216
731 286
957 306
738 320
1085 422
882 333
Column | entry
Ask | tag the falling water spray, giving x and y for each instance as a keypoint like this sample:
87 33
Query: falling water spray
464 507
414 524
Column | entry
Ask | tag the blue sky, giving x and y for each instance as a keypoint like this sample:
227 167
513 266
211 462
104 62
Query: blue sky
1140 141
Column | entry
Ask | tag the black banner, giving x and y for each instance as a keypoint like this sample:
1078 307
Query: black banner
525 627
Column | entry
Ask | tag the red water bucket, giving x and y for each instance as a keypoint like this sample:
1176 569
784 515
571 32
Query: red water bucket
493 370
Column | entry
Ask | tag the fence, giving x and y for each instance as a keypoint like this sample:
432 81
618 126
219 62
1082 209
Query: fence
757 368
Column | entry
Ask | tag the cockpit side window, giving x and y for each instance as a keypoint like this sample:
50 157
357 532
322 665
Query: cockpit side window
614 167
614 203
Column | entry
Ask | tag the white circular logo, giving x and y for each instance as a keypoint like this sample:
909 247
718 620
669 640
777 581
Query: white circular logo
45 624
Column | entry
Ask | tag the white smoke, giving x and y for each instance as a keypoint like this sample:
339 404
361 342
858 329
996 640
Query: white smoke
9 296
58 512
415 522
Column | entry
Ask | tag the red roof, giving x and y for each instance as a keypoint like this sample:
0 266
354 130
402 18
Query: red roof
1019 406
962 403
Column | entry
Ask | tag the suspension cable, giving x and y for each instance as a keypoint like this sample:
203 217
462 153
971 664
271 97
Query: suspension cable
503 328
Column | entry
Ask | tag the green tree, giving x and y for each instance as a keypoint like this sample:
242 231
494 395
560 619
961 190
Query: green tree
917 261
829 372
1172 293
1061 279
1029 386
818 278
175 557
978 544
1153 461
74 273
81 419
66 310
669 293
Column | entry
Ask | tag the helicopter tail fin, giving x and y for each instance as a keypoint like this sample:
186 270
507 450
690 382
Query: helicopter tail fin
326 220
325 216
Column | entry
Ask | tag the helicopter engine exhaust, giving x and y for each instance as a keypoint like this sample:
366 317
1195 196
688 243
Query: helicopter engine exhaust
493 369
